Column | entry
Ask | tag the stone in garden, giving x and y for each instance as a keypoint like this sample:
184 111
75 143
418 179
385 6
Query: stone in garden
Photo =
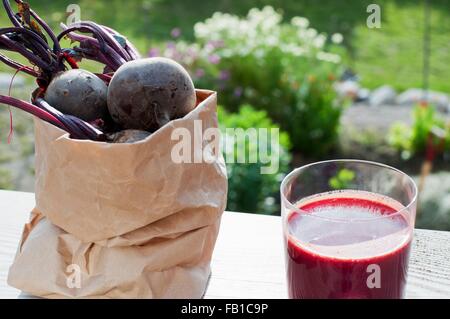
413 96
363 94
434 204
384 95
347 89
5 81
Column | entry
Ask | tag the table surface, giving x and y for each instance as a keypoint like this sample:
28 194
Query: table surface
248 260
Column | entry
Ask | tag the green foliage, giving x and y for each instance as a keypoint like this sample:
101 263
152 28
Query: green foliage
378 55
286 69
342 179
5 179
248 189
414 140
314 124
271 65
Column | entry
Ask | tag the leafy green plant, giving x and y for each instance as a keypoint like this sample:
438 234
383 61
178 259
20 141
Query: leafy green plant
286 69
314 124
415 139
248 189
342 179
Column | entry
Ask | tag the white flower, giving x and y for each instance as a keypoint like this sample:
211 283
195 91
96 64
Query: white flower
271 41
200 30
328 57
259 53
268 11
337 38
298 51
269 201
253 12
311 33
300 22
319 41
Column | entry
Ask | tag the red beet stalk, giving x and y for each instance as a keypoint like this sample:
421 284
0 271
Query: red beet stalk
77 128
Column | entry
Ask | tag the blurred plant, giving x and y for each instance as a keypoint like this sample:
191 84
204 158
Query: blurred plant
434 203
287 69
248 189
314 125
342 179
427 128
5 179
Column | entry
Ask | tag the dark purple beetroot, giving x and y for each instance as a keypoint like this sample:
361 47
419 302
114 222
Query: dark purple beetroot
129 136
146 94
79 93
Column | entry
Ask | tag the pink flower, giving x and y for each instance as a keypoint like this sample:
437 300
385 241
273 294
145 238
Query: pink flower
214 59
238 92
214 44
171 45
175 33
224 75
200 73
154 52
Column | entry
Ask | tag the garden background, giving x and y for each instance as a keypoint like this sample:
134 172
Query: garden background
335 87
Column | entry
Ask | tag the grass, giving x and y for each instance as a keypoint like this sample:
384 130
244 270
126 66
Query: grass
393 54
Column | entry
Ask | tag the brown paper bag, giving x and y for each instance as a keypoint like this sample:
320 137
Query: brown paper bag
121 220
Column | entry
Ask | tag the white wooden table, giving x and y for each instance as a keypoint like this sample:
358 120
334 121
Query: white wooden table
248 260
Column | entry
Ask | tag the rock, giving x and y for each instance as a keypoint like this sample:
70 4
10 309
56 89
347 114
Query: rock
384 95
349 75
363 95
5 81
434 205
413 96
347 89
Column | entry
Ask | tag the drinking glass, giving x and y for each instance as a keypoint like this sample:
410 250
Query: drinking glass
347 228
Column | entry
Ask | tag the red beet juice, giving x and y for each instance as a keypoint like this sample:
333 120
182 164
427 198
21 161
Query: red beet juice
347 244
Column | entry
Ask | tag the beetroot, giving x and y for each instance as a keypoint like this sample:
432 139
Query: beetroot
146 94
79 93
143 94
128 136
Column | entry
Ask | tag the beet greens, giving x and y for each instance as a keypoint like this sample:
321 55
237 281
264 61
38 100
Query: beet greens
32 38
138 95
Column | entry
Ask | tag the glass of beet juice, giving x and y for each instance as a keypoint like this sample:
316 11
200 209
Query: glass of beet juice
347 228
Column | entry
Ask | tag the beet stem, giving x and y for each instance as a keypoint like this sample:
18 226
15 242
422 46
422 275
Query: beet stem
74 130
34 110
18 66
131 49
109 38
11 14
38 46
19 48
51 34
82 128
98 42
84 29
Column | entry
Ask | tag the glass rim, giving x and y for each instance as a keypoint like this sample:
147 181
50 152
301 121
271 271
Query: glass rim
293 173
